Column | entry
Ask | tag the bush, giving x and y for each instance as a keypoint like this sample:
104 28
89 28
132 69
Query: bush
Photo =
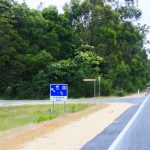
8 92
120 92
106 87
45 118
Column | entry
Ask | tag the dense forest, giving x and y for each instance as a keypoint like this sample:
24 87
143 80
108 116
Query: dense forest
91 38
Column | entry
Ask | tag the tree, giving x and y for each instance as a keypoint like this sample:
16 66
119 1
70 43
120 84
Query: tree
92 37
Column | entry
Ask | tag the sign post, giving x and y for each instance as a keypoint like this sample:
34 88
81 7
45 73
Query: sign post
94 88
99 79
52 110
64 107
58 93
92 80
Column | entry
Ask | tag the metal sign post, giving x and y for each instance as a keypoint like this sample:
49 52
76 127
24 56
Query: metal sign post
65 107
58 93
92 80
99 79
52 108
94 88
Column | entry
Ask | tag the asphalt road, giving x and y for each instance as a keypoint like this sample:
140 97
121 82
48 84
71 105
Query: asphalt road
95 100
131 131
103 140
136 135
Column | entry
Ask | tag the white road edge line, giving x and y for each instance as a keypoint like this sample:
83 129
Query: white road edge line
123 132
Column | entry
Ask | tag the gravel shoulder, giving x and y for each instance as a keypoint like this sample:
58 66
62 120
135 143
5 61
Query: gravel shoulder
68 133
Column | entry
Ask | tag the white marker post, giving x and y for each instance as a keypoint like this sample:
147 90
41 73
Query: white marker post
138 91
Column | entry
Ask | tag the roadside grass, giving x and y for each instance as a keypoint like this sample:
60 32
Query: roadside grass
14 116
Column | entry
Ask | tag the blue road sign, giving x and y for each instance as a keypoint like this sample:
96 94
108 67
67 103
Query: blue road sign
58 92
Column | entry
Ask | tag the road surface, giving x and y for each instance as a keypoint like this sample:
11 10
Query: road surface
131 131
136 135
130 99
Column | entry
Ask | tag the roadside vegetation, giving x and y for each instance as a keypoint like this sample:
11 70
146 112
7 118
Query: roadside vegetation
91 38
14 116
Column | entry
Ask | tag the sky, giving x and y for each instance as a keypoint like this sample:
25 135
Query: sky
58 3
144 5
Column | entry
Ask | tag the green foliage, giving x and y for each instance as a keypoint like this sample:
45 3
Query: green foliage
8 92
44 118
106 87
91 38
120 92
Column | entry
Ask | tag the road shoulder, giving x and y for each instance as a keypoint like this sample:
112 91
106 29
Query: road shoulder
74 135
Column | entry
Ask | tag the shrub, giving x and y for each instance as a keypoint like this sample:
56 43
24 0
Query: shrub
120 92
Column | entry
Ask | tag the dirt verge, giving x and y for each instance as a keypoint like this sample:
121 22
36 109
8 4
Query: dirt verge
12 138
